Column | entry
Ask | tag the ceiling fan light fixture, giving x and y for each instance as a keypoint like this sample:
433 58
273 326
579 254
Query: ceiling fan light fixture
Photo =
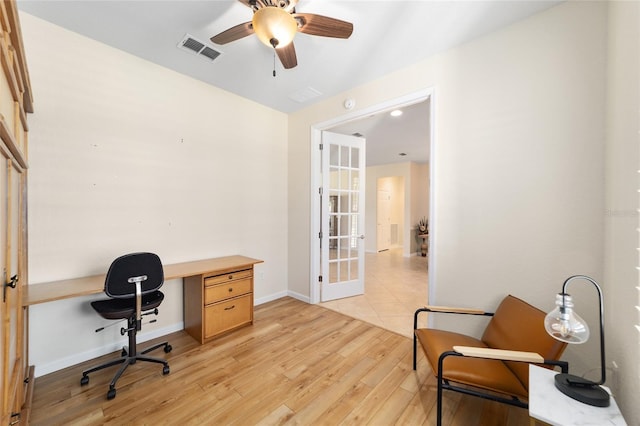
274 27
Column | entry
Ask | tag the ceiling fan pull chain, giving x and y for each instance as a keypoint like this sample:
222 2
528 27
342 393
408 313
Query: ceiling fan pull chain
274 62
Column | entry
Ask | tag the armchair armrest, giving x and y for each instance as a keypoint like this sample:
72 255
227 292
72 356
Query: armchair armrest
448 310
501 354
454 310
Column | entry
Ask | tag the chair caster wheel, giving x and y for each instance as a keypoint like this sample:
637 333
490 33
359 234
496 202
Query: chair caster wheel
165 370
124 352
167 348
111 394
84 380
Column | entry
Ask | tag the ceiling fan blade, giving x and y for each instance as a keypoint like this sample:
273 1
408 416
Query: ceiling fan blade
233 33
323 25
287 56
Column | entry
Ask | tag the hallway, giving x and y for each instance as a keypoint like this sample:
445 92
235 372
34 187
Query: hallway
395 286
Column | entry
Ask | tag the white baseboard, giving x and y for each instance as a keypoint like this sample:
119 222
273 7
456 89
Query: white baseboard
298 296
269 298
74 359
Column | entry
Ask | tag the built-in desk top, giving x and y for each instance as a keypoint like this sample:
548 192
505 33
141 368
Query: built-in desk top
84 286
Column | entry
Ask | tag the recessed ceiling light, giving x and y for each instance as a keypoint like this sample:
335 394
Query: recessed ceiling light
396 113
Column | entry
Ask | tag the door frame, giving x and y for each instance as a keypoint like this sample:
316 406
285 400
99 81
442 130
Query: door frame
316 180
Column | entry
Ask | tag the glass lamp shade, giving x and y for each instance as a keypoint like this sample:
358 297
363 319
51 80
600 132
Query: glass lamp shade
564 324
274 27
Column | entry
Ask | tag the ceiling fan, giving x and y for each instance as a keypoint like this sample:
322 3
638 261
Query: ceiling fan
276 22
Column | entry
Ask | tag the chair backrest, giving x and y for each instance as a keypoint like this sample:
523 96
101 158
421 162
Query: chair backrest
131 265
518 326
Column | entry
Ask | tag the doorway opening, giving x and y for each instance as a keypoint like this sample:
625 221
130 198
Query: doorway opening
402 230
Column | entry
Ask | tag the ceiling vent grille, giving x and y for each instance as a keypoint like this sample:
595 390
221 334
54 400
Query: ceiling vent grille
197 47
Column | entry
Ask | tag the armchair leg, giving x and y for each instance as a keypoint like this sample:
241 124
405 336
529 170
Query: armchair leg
415 344
441 382
439 403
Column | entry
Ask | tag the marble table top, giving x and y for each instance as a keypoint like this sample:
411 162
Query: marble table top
548 404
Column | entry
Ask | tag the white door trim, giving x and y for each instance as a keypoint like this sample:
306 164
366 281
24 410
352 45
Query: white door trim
316 181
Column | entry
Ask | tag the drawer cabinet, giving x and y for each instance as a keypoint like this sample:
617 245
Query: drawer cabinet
218 302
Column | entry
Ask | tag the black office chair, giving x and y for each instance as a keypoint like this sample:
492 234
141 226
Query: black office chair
132 284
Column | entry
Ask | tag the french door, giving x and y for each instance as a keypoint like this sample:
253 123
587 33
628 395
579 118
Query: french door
342 216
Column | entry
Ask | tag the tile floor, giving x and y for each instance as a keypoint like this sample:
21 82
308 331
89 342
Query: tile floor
395 286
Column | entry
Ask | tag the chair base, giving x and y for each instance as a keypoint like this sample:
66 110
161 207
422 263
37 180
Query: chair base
129 357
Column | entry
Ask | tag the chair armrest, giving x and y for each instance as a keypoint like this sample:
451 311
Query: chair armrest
448 310
454 310
501 354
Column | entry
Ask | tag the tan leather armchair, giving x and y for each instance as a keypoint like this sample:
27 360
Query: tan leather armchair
495 366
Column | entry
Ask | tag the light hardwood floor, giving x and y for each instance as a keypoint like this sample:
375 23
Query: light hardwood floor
297 364
395 286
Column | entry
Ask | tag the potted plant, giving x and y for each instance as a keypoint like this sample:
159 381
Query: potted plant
423 226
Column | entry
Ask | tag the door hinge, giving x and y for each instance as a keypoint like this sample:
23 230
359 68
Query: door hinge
320 234
319 278
320 190
321 147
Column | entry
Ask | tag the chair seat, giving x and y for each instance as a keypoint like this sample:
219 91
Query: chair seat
492 375
124 308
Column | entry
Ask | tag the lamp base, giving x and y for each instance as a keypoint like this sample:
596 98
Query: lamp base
582 390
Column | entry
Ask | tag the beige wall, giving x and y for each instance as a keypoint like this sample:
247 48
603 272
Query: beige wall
395 174
420 195
410 182
621 215
129 156
517 168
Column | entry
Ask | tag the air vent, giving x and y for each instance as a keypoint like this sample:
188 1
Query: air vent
197 47
304 95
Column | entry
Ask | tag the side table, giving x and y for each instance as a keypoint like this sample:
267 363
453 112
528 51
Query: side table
548 404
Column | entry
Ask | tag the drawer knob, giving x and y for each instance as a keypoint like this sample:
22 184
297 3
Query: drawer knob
230 308
230 289
230 277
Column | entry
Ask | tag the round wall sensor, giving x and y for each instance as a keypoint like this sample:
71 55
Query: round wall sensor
349 103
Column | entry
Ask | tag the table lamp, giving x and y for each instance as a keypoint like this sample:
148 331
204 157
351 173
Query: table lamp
565 325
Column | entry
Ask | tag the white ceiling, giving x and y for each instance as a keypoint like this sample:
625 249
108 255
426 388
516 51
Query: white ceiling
388 137
387 35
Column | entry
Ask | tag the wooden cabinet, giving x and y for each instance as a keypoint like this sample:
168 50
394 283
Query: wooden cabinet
218 302
15 103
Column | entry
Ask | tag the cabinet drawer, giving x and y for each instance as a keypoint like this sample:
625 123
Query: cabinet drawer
236 275
227 315
217 293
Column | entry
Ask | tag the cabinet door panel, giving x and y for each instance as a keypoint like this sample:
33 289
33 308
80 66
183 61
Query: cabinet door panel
4 311
12 220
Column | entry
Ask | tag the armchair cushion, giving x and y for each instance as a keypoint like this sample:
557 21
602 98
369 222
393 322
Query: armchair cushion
488 374
518 326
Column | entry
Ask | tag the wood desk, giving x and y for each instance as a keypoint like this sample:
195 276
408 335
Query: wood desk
64 289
